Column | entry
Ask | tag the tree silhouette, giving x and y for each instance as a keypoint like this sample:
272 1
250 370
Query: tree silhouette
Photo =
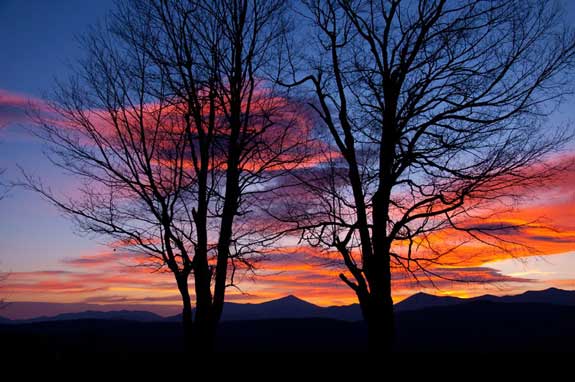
175 133
436 111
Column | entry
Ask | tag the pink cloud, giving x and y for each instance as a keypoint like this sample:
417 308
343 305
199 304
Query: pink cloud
14 107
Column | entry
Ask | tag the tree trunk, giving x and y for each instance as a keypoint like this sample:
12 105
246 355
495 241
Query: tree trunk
187 320
378 315
205 335
378 309
225 240
199 333
380 319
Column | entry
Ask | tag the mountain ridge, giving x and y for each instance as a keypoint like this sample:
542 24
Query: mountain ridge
293 307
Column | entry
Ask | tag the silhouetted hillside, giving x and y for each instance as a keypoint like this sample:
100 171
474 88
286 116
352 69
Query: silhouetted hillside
475 326
129 315
293 307
552 296
423 300
286 307
548 296
25 310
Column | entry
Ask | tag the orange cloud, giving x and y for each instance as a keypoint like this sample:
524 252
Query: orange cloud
540 222
69 286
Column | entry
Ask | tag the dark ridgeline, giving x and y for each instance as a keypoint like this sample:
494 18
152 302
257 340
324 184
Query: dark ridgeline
436 109
428 111
485 323
291 307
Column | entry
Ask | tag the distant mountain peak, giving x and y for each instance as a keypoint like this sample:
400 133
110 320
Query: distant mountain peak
545 291
291 297
551 290
423 300
422 294
289 300
429 296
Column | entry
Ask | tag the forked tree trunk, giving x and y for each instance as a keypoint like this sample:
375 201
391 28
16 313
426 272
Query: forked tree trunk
199 333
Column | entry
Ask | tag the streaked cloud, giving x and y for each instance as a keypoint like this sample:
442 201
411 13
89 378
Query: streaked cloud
14 107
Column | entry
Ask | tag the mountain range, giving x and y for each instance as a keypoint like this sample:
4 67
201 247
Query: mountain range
291 307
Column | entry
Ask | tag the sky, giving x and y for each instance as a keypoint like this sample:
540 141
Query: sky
48 261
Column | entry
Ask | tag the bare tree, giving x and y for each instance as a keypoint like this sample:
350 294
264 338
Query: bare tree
176 133
435 108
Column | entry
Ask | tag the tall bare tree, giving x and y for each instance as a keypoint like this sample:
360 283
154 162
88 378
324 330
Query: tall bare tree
174 129
435 108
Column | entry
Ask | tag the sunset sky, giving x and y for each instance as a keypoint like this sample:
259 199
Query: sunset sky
48 262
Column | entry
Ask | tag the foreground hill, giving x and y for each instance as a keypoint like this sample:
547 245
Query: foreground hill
475 326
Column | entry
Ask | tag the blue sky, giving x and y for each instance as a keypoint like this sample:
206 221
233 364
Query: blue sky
39 41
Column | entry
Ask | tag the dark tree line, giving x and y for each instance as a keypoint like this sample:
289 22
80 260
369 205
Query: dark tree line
428 110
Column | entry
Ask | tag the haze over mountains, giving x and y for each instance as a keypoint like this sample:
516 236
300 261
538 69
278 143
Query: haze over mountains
289 307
